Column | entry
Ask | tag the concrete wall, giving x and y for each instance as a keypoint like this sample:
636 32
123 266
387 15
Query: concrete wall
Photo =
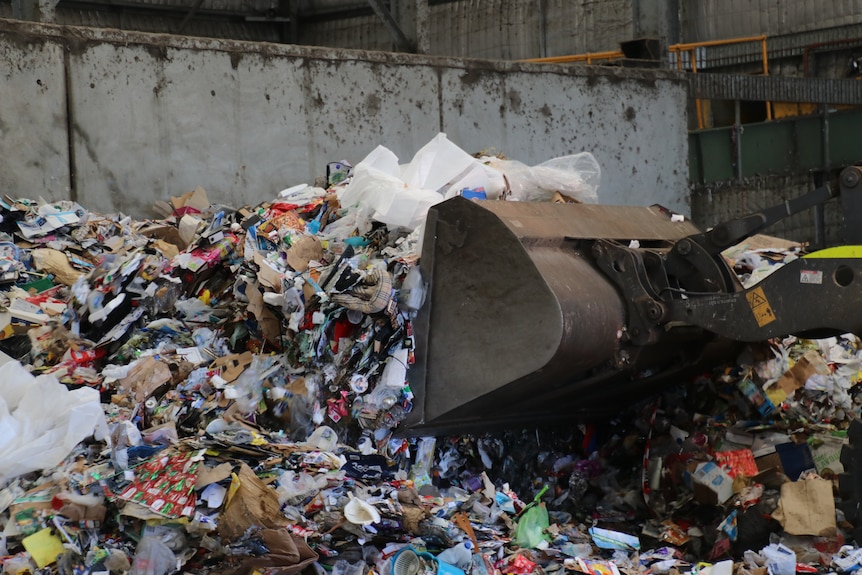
34 146
148 116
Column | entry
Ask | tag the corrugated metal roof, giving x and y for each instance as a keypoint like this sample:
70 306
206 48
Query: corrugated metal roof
233 6
161 23
719 19
493 29
366 32
506 29
240 6
775 89
511 29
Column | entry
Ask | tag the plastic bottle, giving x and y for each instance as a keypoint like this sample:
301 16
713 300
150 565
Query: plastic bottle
461 556
343 567
412 293
480 565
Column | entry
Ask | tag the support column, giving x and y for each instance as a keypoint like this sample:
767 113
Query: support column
413 18
34 10
423 24
402 42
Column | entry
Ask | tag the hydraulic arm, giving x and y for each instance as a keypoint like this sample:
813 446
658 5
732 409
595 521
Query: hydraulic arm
543 312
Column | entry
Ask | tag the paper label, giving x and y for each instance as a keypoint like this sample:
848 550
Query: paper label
811 277
760 307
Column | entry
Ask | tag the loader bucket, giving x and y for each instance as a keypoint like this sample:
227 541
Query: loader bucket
518 323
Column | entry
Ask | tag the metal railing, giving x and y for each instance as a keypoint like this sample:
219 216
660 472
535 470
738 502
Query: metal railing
587 58
691 51
686 56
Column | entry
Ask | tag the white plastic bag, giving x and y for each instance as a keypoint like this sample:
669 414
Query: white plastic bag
577 176
479 176
153 557
436 164
390 199
400 196
780 560
41 421
293 486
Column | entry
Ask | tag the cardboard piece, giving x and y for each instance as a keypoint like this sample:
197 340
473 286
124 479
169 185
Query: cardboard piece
767 242
559 198
188 228
712 485
288 554
163 209
811 363
232 366
304 250
269 324
78 512
145 377
208 475
57 263
166 234
21 309
768 462
195 200
39 499
807 508
114 244
168 249
268 275
250 502
132 509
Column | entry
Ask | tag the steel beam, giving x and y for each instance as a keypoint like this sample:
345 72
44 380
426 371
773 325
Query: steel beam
775 89
401 40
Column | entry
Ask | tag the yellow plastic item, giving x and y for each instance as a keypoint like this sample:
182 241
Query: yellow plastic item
43 546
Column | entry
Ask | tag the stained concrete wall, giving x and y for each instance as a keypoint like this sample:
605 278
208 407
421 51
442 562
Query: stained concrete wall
119 119
34 147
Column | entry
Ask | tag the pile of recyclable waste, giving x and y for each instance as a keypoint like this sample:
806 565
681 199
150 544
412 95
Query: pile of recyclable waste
219 390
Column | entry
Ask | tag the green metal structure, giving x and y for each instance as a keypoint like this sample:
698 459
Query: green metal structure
806 143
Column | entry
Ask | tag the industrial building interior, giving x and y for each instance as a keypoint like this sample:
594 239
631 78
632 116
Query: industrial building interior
791 63
790 60
289 306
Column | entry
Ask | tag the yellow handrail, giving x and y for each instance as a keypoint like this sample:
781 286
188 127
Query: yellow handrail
588 58
711 43
678 49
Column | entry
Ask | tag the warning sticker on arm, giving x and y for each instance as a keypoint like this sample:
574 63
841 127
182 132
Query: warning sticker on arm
760 307
810 277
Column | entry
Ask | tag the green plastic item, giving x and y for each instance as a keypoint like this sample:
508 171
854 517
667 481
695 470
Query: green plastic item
535 500
39 285
531 527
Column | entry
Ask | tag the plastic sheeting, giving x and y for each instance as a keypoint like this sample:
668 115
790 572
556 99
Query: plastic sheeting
41 421
400 196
